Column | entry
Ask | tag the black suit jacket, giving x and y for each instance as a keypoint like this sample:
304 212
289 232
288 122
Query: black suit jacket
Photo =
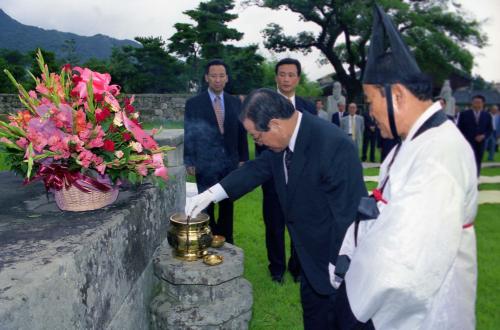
470 129
369 122
213 154
322 195
336 117
301 105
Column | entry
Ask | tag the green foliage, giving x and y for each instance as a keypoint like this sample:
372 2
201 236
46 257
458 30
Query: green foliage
205 40
69 51
14 62
437 35
149 69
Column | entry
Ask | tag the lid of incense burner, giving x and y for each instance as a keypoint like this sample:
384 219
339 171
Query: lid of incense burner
182 219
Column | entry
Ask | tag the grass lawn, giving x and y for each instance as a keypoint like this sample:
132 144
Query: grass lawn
490 171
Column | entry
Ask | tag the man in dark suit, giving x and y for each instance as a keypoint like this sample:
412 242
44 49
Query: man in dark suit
475 125
369 136
287 78
215 141
319 181
337 116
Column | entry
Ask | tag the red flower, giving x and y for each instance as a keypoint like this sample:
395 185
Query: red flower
109 145
129 108
126 136
67 67
102 114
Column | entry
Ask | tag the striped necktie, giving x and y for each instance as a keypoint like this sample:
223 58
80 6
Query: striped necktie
218 113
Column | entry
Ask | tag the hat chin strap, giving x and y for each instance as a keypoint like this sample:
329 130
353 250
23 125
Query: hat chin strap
390 111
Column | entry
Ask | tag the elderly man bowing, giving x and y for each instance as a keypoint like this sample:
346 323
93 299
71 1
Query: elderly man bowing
412 249
319 182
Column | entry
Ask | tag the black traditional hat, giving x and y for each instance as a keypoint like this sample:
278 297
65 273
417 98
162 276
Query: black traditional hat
389 58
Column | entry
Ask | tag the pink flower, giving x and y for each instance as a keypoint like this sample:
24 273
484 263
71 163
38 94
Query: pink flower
22 142
136 146
85 157
157 160
101 168
142 169
162 172
119 154
100 83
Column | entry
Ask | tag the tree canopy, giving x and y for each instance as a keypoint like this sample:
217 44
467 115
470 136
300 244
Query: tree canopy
436 30
207 39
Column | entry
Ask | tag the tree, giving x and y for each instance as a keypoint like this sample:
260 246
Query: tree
16 63
436 34
204 40
147 69
69 51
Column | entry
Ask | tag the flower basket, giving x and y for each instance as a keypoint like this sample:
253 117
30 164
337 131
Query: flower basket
80 136
73 199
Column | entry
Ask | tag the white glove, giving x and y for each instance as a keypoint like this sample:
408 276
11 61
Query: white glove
335 281
196 204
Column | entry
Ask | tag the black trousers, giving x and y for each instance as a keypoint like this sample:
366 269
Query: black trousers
344 317
478 154
224 224
318 310
369 141
274 221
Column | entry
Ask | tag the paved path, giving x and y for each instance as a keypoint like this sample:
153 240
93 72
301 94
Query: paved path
489 196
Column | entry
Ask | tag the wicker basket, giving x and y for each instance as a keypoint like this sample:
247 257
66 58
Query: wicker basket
73 199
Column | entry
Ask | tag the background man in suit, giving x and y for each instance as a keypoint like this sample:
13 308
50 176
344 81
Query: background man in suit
215 141
369 136
491 140
319 181
287 78
475 125
337 116
353 125
320 110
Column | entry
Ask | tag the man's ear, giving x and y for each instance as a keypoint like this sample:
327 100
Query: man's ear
399 94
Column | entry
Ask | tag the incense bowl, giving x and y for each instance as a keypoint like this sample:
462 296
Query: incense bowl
189 239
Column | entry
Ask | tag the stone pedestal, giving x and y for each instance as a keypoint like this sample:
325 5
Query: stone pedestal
196 296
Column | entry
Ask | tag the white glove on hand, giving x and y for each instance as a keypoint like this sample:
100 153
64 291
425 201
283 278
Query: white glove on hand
335 281
196 204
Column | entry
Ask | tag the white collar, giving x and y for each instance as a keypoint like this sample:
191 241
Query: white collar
291 98
293 139
435 107
213 95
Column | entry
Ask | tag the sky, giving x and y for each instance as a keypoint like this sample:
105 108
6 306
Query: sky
126 19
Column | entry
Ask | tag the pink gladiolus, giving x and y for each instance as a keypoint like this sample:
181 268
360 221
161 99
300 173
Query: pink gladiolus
162 172
136 146
157 160
85 157
142 169
100 83
101 168
22 142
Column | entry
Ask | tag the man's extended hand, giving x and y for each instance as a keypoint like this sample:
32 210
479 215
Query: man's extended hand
196 204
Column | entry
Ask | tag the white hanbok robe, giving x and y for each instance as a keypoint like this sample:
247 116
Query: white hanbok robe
415 265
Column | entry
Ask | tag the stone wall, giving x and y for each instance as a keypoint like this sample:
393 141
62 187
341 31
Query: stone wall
152 107
83 270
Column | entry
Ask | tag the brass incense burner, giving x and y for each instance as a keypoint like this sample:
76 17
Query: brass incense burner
189 237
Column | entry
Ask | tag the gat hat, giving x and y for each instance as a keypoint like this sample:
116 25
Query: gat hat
389 58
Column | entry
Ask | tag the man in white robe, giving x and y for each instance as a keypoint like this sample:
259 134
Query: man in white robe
413 265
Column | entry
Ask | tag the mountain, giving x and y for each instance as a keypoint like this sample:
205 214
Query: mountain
24 38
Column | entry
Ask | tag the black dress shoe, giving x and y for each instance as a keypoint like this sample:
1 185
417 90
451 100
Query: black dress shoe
278 279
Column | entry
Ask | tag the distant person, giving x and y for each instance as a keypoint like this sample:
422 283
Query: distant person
320 110
353 124
337 116
475 125
491 141
369 136
288 71
215 141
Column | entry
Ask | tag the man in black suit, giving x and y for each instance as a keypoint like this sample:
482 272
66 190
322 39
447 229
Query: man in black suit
475 124
337 116
319 181
287 78
215 141
369 136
